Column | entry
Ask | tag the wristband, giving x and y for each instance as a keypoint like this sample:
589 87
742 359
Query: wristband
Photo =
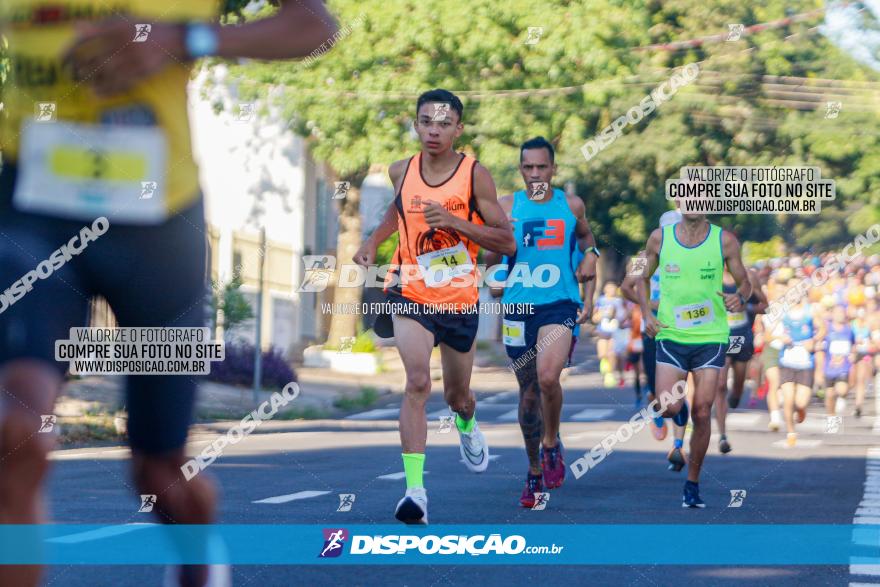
593 250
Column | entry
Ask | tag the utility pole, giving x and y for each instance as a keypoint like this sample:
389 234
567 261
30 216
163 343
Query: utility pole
258 348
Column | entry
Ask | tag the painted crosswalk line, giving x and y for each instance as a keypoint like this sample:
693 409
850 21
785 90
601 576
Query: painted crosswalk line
291 497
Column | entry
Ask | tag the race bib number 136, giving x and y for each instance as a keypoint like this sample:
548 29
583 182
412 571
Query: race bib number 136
83 171
694 315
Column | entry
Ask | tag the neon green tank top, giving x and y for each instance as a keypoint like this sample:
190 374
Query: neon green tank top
690 278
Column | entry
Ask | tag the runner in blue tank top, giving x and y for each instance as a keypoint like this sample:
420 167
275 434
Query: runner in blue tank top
548 226
796 363
840 354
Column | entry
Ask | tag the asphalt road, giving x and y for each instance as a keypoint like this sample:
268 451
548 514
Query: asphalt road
306 465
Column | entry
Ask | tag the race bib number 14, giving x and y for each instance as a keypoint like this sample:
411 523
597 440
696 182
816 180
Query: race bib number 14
438 267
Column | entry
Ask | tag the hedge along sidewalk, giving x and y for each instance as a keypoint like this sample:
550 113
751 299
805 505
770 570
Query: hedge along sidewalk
104 396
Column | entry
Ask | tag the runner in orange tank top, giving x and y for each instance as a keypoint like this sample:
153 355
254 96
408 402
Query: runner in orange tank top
446 208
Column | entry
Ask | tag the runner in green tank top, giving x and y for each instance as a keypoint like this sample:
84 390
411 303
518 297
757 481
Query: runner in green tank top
691 323
690 277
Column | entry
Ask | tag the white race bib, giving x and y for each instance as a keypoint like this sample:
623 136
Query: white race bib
608 325
83 171
637 346
795 357
736 319
840 347
514 333
693 315
438 267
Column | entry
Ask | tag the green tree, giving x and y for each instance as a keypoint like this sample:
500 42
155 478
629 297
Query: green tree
229 301
758 101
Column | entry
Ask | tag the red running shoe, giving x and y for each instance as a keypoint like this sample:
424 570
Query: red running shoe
762 390
553 462
533 486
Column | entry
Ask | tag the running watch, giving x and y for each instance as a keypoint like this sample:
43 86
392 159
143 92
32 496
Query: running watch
200 40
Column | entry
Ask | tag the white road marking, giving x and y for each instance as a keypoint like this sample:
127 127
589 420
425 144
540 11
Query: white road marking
100 533
801 443
587 434
377 414
499 397
511 416
745 420
592 415
865 514
77 453
491 458
396 476
862 569
291 497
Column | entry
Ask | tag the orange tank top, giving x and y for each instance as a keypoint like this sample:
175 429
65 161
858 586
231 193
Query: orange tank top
435 266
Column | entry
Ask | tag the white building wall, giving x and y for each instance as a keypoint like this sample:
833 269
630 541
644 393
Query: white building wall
256 173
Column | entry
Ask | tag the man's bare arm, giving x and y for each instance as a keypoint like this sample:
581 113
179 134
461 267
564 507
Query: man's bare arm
652 254
388 226
102 53
630 284
367 253
492 257
732 257
271 38
582 229
761 306
495 233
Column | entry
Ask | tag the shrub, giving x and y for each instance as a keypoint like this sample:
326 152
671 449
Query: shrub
237 367
364 343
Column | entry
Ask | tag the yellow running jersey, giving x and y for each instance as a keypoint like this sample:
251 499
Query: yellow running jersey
61 137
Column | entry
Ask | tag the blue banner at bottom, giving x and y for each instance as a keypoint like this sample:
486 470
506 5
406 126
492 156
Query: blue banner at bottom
532 544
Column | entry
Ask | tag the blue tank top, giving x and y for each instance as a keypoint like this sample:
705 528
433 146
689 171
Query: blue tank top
838 345
795 356
862 336
545 236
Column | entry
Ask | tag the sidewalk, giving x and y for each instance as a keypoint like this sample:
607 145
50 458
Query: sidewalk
92 408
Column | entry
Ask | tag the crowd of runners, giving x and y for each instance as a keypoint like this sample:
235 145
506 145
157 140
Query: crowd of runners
689 313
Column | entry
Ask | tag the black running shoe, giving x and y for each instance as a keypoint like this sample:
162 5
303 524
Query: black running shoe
676 459
691 496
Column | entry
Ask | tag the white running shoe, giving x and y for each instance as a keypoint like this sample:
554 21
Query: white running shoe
474 450
413 508
775 420
839 406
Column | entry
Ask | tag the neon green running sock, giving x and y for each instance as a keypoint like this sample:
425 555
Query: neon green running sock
414 467
465 427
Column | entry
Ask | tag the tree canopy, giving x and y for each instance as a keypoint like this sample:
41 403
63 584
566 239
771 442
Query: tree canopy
759 100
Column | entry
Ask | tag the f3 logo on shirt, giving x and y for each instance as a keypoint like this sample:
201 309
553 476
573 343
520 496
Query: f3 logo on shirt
543 233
